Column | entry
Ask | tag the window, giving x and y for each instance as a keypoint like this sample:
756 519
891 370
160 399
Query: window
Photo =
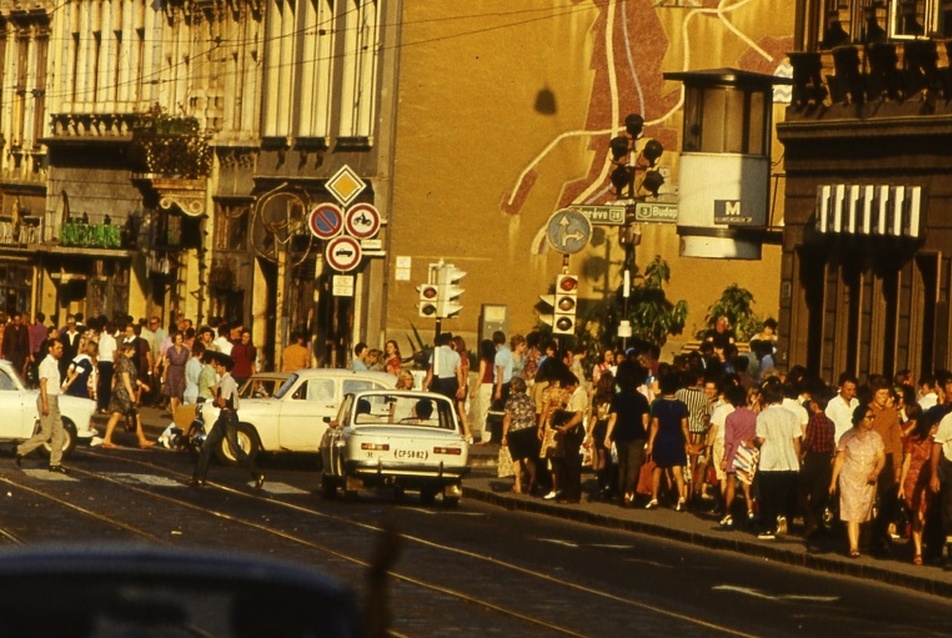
320 390
359 73
724 119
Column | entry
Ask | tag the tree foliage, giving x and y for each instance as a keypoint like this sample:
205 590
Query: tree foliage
736 304
652 315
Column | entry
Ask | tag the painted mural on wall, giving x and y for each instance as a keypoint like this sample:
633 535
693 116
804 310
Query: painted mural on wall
635 43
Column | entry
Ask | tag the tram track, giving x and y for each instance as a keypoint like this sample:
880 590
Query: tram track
502 605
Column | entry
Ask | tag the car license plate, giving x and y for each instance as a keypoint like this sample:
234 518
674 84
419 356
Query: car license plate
419 455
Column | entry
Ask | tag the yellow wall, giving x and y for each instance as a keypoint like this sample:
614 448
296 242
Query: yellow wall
468 129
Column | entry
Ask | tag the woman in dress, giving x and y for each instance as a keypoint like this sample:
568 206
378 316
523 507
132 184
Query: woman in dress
552 416
597 428
81 378
459 345
125 395
740 428
668 439
173 371
605 365
519 434
244 354
394 362
916 473
860 458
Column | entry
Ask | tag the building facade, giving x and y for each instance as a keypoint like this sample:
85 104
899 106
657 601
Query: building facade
166 158
866 268
161 158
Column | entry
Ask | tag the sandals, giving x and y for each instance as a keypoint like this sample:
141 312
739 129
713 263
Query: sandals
854 553
109 446
917 559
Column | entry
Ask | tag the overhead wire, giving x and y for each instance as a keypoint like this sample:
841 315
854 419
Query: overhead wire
156 76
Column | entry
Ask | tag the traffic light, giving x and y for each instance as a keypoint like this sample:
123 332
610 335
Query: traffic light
427 306
566 303
448 304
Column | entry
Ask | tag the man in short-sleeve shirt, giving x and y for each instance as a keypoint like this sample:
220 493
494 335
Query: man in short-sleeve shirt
47 405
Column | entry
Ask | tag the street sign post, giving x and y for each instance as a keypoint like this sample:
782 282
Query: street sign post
603 215
568 231
325 220
362 221
343 253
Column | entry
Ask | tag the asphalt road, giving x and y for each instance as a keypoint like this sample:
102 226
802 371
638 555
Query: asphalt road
470 571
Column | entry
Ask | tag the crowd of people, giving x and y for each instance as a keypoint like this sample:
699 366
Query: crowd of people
722 432
716 429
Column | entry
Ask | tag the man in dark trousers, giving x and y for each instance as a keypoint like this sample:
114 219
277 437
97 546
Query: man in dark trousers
16 343
226 427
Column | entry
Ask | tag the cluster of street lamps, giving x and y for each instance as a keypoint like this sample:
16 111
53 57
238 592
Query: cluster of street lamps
626 168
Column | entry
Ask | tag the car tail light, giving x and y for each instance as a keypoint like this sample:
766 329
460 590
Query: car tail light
448 450
376 447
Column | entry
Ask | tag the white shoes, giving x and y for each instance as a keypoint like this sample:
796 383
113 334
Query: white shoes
551 495
652 504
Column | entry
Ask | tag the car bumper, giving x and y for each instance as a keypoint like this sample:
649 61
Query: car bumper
404 472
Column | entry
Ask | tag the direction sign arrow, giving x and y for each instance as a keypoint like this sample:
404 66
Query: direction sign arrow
568 231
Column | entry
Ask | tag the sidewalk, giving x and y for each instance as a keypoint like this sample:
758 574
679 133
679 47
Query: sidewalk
690 527
704 530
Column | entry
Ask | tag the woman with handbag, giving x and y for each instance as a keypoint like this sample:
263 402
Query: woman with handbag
860 457
552 417
740 428
627 428
519 434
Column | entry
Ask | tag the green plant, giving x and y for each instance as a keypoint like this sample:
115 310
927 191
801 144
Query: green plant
170 145
652 315
736 304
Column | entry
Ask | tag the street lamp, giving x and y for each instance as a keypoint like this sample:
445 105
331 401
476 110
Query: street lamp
628 163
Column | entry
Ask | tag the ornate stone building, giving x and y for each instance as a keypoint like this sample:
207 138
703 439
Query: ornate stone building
865 282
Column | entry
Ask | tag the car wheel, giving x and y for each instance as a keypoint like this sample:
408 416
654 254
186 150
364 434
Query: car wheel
328 487
248 441
69 441
428 495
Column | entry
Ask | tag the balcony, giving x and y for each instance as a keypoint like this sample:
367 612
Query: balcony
85 235
883 79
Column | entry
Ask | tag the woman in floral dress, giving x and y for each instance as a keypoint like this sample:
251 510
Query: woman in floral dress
860 457
916 472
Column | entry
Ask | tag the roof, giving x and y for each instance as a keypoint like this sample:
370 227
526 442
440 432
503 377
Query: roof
727 76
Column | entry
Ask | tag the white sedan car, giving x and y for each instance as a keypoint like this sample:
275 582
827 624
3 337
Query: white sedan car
404 439
21 418
293 419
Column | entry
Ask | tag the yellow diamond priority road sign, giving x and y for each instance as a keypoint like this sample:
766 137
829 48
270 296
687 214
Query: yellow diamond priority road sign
345 185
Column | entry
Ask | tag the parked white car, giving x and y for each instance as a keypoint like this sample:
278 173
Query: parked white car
293 419
21 418
405 439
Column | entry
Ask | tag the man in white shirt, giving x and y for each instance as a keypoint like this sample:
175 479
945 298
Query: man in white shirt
106 361
928 397
840 408
778 433
47 405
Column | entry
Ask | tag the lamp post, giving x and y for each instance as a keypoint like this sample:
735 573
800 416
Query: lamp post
629 162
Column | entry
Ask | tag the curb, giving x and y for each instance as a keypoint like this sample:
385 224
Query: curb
826 564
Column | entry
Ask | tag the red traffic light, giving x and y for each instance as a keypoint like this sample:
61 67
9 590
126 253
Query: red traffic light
568 283
428 292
